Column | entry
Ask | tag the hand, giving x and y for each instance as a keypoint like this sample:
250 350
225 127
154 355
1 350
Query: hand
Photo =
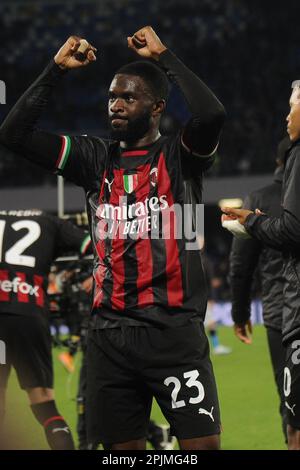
146 43
244 332
65 58
259 212
236 214
232 225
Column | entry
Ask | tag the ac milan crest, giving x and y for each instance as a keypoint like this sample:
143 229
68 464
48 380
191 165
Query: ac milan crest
153 176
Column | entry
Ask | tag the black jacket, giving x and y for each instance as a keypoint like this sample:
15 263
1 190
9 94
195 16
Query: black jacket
247 254
283 233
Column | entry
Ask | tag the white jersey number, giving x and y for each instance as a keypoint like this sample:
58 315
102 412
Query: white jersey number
192 381
14 255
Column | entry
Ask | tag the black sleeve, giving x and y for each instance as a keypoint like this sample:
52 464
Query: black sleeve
201 135
281 232
73 157
72 238
244 258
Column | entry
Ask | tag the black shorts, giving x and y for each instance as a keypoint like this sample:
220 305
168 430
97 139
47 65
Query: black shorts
292 383
28 350
128 366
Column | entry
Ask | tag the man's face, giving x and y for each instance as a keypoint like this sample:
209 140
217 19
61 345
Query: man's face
293 117
130 107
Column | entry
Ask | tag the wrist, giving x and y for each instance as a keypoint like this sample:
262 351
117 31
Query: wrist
56 70
158 52
59 64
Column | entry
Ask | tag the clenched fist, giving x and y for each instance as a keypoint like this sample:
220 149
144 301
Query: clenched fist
146 43
68 56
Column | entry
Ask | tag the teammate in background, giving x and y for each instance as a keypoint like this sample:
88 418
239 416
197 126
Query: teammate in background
212 329
283 233
210 321
148 336
246 255
77 308
30 240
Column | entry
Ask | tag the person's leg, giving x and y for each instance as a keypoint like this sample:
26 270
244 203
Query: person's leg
44 408
181 377
81 401
159 436
201 443
277 353
33 365
138 444
2 406
4 375
293 436
8 337
118 404
212 332
292 393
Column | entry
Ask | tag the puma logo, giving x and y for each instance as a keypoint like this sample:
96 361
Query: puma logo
290 408
65 429
109 183
203 411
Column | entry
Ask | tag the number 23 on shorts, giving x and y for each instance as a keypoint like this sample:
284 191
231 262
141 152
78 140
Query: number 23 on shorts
191 380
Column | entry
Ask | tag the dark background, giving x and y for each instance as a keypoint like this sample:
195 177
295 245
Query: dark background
247 51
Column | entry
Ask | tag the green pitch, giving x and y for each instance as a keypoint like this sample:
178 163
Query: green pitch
247 395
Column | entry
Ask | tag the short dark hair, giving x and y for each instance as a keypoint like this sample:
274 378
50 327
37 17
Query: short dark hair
154 77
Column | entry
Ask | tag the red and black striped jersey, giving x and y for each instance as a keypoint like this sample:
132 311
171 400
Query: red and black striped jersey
143 273
139 279
30 240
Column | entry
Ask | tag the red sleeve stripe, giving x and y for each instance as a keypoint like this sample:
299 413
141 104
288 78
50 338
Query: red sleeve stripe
135 153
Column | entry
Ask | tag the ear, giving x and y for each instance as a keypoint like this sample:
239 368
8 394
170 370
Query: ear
158 107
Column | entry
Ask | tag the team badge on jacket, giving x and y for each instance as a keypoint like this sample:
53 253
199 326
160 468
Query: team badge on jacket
130 182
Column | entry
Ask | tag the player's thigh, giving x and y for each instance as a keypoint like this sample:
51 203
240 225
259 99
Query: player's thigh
118 404
184 384
291 386
33 357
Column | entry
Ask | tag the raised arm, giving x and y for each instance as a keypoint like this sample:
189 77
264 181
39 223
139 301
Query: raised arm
201 134
19 130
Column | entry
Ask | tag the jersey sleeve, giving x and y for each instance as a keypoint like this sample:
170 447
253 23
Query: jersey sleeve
191 166
200 136
192 163
79 159
244 259
282 232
